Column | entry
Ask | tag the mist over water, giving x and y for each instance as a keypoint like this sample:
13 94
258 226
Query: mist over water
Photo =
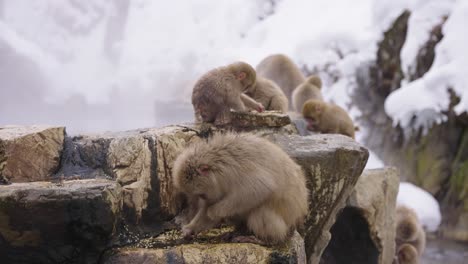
106 65
119 64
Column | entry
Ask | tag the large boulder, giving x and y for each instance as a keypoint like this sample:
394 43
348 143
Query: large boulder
30 153
64 222
333 164
365 230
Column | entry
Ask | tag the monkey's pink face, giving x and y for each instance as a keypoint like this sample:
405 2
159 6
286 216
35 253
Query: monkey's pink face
312 123
201 181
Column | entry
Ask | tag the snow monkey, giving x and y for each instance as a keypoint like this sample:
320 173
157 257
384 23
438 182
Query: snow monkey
221 89
269 95
409 231
327 118
283 71
245 179
406 254
310 89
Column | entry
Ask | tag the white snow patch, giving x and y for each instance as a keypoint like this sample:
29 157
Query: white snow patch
429 94
422 202
374 162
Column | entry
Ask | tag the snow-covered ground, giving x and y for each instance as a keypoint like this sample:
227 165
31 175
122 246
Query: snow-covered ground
422 202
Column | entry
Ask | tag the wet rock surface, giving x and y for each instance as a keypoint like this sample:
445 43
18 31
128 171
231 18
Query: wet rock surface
68 222
209 247
113 194
30 153
333 164
365 230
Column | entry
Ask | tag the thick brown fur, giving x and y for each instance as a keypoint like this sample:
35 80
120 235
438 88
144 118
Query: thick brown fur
408 229
310 89
327 118
283 71
407 254
244 178
269 95
221 89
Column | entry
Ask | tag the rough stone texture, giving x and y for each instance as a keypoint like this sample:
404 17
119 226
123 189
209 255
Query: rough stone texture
370 210
258 120
129 159
436 160
30 153
168 143
333 164
68 222
170 248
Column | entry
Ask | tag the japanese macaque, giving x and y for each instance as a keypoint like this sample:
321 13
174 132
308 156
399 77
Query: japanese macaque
407 254
269 95
409 230
310 89
245 179
283 71
221 89
327 118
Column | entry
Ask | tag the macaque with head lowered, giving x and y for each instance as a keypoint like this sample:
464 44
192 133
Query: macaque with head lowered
221 89
283 71
406 254
409 235
310 89
269 95
327 118
245 179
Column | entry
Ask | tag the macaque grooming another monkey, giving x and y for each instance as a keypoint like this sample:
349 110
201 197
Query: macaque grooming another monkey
310 89
221 89
283 71
269 95
245 179
409 235
327 118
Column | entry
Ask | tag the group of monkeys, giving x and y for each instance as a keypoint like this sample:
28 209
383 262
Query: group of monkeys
248 181
274 83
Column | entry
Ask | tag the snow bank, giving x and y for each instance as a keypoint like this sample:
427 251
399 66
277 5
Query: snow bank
425 205
374 162
426 97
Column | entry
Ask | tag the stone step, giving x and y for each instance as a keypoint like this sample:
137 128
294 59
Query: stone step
67 222
209 247
75 220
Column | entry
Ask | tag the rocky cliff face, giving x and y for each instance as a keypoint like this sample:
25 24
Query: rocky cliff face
436 160
108 198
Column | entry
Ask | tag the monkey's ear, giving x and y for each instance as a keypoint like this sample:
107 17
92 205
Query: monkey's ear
203 169
241 75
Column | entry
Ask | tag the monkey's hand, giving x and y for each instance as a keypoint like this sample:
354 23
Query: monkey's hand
187 232
260 108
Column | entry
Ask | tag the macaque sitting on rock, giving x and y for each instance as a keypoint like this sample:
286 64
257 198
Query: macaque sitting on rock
327 118
222 89
269 95
244 179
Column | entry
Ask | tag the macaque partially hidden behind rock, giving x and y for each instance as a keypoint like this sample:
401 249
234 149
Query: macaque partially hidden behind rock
410 236
327 118
245 180
222 89
310 89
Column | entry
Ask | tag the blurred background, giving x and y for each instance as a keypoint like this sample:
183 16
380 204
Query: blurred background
397 66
